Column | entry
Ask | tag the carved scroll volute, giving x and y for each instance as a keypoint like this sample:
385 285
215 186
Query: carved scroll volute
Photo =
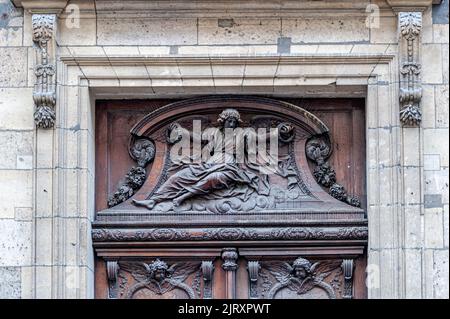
318 149
410 26
44 94
207 271
229 257
347 269
112 271
253 268
143 152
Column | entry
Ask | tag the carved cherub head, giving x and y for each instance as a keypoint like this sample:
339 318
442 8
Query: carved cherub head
301 268
158 270
229 118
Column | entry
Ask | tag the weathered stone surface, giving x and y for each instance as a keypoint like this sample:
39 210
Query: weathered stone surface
10 286
146 31
239 31
13 73
441 274
442 106
17 108
314 30
436 142
15 191
15 252
15 147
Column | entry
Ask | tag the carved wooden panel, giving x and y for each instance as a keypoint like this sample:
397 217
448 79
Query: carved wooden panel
234 229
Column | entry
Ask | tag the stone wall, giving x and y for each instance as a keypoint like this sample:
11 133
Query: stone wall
412 237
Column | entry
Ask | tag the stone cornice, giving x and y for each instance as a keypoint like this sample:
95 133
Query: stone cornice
235 8
411 5
41 6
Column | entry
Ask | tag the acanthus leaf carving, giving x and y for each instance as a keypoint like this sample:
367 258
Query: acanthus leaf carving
410 26
44 94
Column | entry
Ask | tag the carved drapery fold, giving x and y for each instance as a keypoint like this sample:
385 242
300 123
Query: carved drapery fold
410 25
44 94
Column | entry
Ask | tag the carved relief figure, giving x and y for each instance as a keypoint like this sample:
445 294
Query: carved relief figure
158 277
301 277
222 176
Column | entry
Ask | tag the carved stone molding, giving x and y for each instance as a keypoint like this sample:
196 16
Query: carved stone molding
44 94
410 26
318 149
230 234
143 152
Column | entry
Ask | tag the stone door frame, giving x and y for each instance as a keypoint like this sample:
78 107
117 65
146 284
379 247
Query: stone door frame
64 176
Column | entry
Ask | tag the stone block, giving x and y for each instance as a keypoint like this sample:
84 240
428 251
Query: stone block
15 146
325 30
413 273
15 191
436 142
12 70
436 183
11 37
446 225
239 31
440 33
24 214
385 31
46 230
428 107
10 283
413 227
441 274
139 31
431 162
411 154
17 108
81 33
434 230
445 61
15 239
431 63
442 106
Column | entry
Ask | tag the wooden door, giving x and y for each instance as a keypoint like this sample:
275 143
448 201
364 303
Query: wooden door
312 246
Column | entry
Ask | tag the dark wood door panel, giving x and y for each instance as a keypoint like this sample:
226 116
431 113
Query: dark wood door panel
312 246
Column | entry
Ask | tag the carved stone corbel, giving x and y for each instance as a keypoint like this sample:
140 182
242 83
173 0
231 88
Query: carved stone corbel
347 269
44 94
253 268
318 149
207 271
410 26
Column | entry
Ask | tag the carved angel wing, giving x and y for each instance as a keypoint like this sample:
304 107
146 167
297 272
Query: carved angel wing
139 271
180 271
323 269
280 270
